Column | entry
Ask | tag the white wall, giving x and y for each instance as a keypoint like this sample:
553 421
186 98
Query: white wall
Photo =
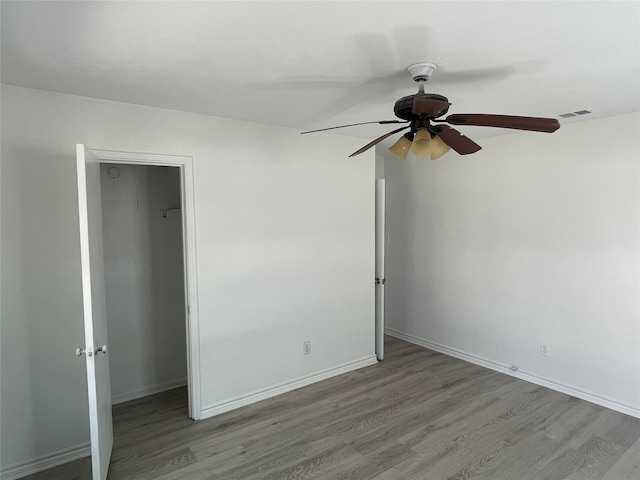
144 280
534 239
285 251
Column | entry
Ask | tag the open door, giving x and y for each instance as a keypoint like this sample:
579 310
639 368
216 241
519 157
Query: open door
95 313
380 280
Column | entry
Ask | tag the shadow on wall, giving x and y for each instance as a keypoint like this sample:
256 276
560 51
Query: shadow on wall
44 390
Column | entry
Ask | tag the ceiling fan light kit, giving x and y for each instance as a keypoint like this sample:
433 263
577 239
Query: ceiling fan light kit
428 136
421 146
401 148
438 148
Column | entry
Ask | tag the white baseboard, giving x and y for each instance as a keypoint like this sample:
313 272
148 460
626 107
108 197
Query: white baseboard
44 463
527 376
226 406
150 390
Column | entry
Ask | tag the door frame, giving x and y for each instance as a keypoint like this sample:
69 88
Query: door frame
185 164
380 246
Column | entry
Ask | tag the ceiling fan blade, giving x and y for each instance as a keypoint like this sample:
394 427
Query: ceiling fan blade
452 137
376 141
431 107
536 124
381 122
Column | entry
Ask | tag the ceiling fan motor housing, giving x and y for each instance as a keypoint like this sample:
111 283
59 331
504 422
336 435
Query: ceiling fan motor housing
403 108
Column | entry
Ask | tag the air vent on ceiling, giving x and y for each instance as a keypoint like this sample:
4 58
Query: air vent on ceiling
575 114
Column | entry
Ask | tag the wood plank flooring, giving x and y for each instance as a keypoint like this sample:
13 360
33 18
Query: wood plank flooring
416 415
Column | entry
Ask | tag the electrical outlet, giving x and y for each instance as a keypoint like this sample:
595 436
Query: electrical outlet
544 350
306 348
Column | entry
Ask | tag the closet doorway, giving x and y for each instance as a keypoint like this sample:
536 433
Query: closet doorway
149 252
144 279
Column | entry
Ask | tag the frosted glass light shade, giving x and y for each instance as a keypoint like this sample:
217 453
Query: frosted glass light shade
422 142
438 148
401 148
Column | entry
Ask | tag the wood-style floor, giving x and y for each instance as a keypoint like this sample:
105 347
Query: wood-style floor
416 415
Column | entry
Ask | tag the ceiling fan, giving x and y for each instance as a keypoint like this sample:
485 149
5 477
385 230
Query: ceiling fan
428 135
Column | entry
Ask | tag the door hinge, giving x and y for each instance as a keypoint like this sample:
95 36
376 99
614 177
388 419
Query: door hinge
380 281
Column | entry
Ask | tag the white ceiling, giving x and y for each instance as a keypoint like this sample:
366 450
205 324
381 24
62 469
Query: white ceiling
317 64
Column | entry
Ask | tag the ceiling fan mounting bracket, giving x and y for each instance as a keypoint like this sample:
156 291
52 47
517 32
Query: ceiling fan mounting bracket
421 72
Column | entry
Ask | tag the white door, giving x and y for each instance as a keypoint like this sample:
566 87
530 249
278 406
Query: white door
380 280
95 313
